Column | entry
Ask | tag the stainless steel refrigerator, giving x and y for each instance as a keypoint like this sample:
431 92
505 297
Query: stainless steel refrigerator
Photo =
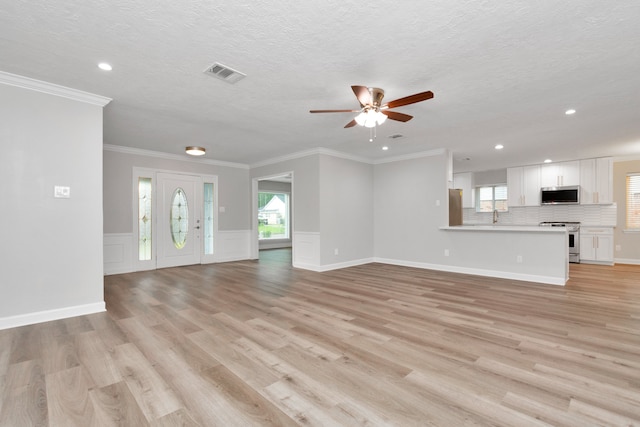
455 206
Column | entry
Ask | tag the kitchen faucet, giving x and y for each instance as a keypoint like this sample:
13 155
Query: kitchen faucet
495 216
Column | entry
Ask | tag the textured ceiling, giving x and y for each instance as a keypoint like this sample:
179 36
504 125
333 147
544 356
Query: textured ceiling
502 72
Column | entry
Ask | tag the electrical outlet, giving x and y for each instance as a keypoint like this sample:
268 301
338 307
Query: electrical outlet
618 248
437 202
519 259
446 252
335 251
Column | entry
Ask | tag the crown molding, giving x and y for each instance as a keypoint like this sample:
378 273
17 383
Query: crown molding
275 160
52 89
168 156
429 153
313 151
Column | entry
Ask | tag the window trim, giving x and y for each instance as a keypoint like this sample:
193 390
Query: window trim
493 197
635 176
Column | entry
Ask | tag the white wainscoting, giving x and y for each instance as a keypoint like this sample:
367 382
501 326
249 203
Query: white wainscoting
118 253
306 250
119 250
233 245
49 315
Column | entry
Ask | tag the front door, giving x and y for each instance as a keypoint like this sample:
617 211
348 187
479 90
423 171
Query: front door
179 222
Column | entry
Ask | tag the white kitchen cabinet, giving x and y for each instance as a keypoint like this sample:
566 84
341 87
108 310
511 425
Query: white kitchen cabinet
523 186
560 174
596 245
464 181
596 181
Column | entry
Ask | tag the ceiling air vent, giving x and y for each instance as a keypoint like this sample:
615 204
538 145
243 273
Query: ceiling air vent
225 73
396 136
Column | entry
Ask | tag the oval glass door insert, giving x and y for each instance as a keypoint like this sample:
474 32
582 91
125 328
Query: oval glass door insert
179 218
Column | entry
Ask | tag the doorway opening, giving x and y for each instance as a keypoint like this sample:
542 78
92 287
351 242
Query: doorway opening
273 214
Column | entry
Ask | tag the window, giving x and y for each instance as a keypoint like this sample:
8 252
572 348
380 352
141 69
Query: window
144 219
633 201
490 198
273 215
179 218
208 218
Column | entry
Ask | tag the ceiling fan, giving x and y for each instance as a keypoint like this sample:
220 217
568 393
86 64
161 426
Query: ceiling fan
373 112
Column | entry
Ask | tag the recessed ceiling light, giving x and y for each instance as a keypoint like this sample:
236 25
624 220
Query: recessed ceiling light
195 151
547 161
385 148
499 147
570 112
104 66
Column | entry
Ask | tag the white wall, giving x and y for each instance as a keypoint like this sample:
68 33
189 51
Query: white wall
51 256
410 203
346 211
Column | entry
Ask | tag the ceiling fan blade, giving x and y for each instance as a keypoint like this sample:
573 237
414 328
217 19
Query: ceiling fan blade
334 111
394 115
351 124
363 95
411 99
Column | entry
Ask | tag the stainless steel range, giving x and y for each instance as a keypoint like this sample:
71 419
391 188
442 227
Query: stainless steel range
573 229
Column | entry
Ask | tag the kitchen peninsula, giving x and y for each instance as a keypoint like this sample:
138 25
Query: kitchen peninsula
529 253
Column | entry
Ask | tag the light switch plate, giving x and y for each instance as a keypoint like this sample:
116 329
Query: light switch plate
61 192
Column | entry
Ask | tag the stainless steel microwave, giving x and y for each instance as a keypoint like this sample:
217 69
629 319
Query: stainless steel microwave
560 195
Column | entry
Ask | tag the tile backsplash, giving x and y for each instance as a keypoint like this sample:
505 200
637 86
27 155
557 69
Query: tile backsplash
597 215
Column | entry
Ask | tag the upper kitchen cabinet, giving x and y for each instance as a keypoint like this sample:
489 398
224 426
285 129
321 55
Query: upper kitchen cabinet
596 181
464 181
523 186
560 174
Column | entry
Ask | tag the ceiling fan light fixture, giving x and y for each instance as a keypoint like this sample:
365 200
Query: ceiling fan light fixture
361 118
195 151
370 118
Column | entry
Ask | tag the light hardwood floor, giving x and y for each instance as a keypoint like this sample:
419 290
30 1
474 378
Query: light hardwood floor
260 343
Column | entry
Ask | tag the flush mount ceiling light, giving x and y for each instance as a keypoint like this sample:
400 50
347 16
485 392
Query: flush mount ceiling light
195 151
104 66
570 112
547 161
499 147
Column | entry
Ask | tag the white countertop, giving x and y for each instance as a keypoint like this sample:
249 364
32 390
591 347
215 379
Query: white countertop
507 228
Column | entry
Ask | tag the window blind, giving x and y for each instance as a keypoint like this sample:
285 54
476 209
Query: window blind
633 200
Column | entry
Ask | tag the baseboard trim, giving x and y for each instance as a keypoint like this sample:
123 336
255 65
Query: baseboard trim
336 266
49 315
549 280
631 261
